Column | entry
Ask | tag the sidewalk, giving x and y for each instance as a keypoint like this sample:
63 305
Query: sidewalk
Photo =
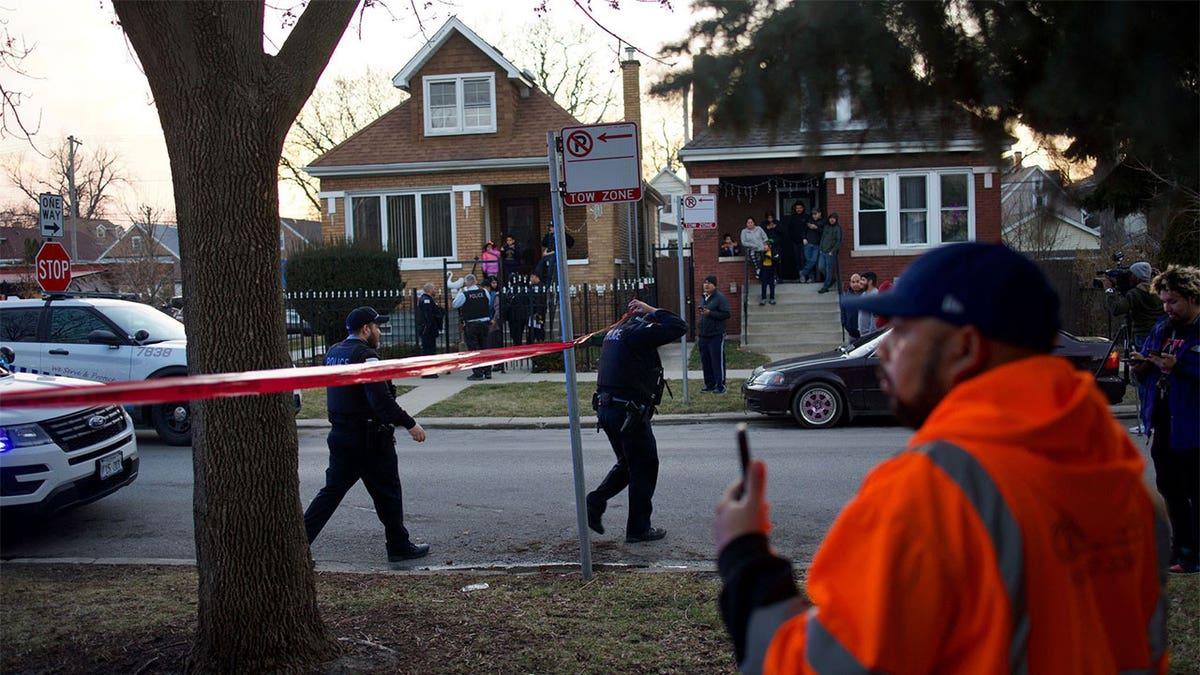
426 393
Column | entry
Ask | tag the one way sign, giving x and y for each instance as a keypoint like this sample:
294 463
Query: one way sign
51 214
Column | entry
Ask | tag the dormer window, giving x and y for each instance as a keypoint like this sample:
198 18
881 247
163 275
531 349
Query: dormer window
460 104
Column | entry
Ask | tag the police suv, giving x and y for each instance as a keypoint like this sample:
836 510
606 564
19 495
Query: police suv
104 339
55 458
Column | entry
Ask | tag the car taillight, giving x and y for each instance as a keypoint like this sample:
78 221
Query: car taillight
1113 360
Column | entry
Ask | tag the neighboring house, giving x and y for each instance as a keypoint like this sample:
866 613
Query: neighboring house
295 233
144 259
1039 218
898 192
670 186
463 161
20 241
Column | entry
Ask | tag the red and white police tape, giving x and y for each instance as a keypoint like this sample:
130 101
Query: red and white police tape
219 385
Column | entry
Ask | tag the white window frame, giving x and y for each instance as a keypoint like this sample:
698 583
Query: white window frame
421 262
461 127
933 207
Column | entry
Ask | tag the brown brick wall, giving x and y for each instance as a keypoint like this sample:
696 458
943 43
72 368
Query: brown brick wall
595 237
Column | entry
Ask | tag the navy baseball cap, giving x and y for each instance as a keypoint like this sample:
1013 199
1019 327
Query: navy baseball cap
989 286
363 316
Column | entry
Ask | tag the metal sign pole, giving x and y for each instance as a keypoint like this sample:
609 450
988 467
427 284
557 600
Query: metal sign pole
568 333
682 299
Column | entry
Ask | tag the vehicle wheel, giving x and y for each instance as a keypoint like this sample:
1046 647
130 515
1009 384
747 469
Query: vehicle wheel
173 422
818 405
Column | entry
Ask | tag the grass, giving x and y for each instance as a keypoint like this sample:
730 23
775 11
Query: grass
68 618
736 358
548 399
312 402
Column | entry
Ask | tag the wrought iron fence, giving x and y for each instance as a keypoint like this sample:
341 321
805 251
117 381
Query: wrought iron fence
528 313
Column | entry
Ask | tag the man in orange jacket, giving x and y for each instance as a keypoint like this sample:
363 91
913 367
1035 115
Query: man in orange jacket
1014 533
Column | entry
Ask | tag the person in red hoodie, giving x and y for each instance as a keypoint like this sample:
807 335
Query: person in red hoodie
1014 532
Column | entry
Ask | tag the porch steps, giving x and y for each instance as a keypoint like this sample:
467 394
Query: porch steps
802 321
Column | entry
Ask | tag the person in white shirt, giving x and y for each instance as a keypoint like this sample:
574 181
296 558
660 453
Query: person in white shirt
754 241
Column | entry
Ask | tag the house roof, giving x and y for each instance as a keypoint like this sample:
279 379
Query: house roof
921 133
667 181
308 230
1025 178
402 79
12 241
395 143
389 144
166 236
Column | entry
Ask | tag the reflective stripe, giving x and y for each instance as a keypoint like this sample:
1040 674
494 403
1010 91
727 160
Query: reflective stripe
823 651
761 628
1002 528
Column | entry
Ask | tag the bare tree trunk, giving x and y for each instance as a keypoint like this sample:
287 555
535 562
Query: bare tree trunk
224 108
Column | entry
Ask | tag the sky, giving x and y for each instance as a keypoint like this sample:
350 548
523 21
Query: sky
83 80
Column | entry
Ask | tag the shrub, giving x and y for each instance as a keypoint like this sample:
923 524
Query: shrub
341 275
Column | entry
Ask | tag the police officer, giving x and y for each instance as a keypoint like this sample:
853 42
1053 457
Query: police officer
474 305
429 314
361 442
628 387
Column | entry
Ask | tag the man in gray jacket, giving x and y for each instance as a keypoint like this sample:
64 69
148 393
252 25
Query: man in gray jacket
831 245
714 312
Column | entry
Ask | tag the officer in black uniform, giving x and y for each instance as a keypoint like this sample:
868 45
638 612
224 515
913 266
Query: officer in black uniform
429 317
474 305
361 442
628 387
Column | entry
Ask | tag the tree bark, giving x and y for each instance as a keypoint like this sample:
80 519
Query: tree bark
225 107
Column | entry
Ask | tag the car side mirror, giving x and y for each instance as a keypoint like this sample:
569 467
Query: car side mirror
104 337
141 335
8 355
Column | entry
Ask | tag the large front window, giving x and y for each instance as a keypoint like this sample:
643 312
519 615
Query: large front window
413 226
913 209
460 104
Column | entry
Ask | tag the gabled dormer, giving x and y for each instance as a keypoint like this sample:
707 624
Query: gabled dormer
457 102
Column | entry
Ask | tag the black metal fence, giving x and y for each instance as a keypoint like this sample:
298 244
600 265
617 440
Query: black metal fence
527 314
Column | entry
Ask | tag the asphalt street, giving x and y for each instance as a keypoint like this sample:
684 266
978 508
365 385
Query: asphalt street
496 497
505 497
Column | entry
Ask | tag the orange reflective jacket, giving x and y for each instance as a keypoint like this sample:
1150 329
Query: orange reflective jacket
1014 535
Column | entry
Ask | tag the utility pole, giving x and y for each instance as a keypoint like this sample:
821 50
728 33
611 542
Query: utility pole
72 142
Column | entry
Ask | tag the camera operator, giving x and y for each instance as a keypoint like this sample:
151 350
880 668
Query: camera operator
1128 294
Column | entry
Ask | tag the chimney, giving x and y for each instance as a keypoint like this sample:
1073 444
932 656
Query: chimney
631 85
1017 156
702 94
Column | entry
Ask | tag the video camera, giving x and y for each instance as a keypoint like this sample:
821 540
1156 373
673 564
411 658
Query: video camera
1122 277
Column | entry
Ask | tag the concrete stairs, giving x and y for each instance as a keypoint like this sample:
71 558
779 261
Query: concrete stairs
802 321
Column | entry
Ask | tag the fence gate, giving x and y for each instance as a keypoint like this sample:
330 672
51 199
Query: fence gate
666 278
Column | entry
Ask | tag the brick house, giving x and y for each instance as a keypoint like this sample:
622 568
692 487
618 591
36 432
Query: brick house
897 193
463 161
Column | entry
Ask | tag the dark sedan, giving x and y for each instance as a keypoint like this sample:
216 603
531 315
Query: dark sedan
821 390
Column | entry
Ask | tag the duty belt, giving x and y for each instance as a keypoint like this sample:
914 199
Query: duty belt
604 398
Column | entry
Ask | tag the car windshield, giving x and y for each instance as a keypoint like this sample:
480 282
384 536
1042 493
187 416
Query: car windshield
865 344
133 317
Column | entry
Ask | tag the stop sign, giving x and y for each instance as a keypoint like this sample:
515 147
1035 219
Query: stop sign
53 267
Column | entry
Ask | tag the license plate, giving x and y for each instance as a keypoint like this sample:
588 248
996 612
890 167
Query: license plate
110 465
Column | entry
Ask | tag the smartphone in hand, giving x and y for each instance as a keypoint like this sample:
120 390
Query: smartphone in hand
743 455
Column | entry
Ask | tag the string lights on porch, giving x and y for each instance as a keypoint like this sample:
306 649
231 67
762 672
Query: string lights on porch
729 188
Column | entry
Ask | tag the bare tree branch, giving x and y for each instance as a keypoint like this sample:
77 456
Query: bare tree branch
98 172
